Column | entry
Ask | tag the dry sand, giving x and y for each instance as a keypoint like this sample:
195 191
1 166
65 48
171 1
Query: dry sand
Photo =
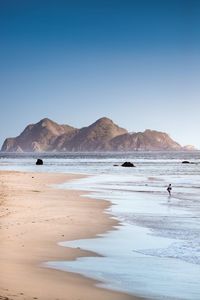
35 216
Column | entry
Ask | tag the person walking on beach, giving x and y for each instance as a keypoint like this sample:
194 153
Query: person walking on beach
169 188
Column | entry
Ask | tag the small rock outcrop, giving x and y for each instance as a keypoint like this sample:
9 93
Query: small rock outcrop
127 164
39 162
190 148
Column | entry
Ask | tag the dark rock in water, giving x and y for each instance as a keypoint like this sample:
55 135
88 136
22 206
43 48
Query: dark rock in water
39 162
115 165
128 164
189 162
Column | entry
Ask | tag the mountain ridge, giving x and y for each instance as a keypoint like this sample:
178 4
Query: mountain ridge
102 135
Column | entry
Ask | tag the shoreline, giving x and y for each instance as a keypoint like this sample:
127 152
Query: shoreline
34 218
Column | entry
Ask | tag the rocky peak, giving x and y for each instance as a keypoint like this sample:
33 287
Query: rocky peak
103 121
106 126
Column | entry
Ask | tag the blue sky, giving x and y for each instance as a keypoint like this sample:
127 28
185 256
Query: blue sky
136 62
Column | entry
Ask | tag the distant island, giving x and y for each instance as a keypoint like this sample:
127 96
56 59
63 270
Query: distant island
103 135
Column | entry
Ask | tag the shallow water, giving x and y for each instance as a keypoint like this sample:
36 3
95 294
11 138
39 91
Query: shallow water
156 253
156 250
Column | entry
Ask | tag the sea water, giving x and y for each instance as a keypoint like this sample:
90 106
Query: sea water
155 251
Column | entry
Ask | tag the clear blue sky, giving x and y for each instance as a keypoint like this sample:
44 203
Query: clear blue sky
136 62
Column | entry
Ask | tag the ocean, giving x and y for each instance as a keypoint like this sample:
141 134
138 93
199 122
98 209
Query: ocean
155 251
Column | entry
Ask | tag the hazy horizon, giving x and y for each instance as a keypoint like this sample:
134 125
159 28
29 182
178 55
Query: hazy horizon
135 62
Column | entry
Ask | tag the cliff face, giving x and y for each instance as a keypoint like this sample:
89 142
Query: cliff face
103 135
147 140
95 137
37 137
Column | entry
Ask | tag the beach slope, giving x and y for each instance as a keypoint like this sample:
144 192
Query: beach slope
34 217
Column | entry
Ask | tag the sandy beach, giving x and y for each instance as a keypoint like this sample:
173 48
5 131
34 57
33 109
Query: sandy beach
35 216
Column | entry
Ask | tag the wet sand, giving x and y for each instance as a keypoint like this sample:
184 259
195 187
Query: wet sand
34 217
